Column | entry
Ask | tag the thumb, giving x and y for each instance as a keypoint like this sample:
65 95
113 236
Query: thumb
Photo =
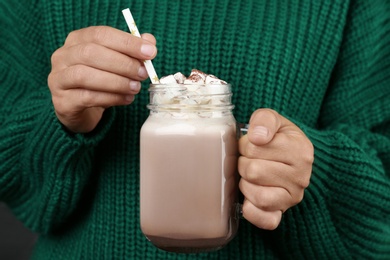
263 125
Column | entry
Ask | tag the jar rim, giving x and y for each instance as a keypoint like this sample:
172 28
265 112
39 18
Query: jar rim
193 108
179 86
190 97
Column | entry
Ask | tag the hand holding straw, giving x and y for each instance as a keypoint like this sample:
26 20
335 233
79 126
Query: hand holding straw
134 31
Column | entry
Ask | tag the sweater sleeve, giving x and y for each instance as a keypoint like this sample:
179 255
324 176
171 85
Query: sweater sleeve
346 209
43 168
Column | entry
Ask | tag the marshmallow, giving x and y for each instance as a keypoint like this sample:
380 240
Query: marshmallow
213 80
201 89
196 77
179 77
170 79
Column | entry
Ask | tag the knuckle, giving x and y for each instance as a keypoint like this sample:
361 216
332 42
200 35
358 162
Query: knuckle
56 57
248 169
307 157
100 33
86 98
266 200
308 152
56 102
51 81
304 168
60 109
72 36
251 173
77 75
59 106
304 182
86 52
296 194
297 198
128 42
302 178
121 85
261 201
128 66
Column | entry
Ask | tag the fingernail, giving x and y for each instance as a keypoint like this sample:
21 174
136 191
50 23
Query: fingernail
142 72
148 49
135 86
260 131
129 98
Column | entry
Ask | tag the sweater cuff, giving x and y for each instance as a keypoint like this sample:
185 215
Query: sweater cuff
55 166
92 138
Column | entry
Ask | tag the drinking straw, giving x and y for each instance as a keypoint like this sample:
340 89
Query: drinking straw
134 31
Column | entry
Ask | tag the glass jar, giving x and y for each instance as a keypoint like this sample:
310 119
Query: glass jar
189 178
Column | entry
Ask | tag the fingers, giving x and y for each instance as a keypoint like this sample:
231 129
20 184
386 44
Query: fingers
269 198
265 173
99 57
268 220
284 148
81 99
295 151
80 87
80 110
81 76
115 39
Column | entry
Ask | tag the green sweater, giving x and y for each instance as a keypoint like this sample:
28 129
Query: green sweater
323 64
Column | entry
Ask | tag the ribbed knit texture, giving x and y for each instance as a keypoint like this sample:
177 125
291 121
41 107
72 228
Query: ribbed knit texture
323 64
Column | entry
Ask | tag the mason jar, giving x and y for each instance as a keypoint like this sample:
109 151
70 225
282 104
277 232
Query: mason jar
188 168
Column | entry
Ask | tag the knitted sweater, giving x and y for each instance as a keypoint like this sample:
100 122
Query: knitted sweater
323 64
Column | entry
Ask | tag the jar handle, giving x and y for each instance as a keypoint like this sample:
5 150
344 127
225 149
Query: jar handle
242 129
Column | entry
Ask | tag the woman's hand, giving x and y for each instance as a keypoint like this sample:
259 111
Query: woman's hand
98 67
275 167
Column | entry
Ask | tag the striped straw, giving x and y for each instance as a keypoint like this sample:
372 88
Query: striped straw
134 31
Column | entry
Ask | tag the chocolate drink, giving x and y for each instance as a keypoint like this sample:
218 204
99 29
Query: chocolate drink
188 183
